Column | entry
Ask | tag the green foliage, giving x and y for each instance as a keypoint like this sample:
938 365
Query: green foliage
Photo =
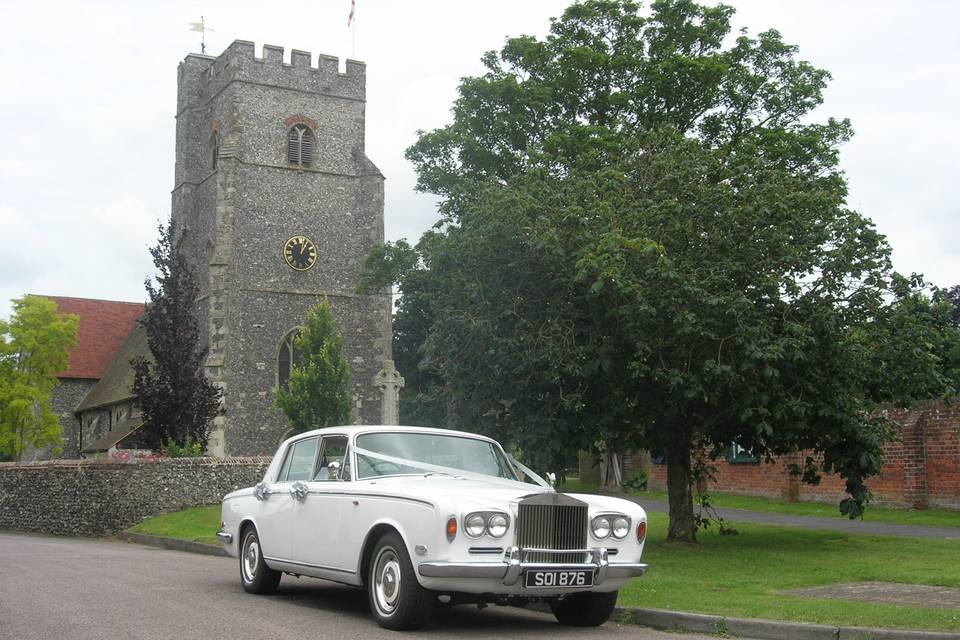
177 400
645 243
317 394
34 347
189 449
637 482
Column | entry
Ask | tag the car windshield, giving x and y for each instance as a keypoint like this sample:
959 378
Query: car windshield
388 454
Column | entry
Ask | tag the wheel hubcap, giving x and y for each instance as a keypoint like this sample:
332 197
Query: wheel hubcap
386 590
251 557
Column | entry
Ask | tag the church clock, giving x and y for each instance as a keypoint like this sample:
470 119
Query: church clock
300 253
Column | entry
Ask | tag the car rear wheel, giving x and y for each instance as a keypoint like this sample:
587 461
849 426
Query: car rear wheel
255 575
397 600
584 609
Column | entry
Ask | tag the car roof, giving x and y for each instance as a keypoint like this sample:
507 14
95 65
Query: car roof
351 430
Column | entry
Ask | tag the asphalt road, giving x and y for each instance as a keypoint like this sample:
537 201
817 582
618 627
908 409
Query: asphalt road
69 588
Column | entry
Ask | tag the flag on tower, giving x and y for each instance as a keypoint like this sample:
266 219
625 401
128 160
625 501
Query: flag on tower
353 8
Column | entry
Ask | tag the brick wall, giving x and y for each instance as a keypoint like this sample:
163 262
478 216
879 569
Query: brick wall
921 468
91 497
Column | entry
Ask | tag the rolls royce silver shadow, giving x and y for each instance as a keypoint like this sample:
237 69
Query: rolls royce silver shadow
424 516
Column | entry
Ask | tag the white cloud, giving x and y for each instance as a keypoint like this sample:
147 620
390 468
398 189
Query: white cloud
86 115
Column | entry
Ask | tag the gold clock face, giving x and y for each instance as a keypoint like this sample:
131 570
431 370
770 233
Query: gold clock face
300 253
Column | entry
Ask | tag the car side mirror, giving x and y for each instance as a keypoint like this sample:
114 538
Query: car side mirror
333 469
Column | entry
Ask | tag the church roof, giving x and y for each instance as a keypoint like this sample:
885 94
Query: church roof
116 385
104 325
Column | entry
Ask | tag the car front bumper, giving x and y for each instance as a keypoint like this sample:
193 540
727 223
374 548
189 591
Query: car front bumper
510 570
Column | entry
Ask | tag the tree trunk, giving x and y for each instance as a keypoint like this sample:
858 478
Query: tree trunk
682 527
611 471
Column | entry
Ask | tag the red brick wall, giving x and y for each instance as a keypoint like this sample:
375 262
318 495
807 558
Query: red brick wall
921 468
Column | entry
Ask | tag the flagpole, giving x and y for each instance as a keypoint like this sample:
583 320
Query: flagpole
352 23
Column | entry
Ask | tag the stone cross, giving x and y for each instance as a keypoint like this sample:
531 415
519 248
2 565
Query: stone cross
390 381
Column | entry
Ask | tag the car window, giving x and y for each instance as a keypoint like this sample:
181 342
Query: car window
299 462
436 451
334 450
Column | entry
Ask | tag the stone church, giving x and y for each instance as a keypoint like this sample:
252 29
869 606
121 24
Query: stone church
280 206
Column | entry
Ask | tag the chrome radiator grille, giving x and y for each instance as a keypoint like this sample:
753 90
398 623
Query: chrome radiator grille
552 521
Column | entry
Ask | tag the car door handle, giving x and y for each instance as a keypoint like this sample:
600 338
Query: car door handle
299 490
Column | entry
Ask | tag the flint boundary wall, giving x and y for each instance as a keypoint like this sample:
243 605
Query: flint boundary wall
921 467
96 497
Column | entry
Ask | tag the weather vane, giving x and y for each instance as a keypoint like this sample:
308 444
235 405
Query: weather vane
202 28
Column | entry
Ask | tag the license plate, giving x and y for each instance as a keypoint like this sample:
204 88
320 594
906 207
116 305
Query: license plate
558 578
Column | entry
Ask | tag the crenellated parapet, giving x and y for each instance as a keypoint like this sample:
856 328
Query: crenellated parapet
238 62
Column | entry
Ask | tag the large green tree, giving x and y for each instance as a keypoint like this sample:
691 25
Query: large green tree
318 393
645 242
177 400
34 347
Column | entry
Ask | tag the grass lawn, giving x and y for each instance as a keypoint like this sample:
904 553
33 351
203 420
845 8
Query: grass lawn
199 524
741 576
924 517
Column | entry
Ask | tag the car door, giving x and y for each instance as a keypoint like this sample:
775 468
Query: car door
317 531
276 511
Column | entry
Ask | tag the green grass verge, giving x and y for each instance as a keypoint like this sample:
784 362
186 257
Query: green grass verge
920 517
743 575
199 524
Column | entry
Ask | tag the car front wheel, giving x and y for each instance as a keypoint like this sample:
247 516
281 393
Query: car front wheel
584 609
255 575
397 600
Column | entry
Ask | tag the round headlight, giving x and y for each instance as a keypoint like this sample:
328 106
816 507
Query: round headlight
601 527
497 525
474 525
621 527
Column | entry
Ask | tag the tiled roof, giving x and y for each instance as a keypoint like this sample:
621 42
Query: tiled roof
104 325
116 385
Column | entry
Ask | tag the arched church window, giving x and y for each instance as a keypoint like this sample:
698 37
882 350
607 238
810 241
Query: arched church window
288 358
300 145
215 144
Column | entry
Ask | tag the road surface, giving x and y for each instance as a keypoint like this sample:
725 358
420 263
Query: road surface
72 588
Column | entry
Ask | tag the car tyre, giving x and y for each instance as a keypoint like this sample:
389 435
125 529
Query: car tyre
588 609
397 600
255 575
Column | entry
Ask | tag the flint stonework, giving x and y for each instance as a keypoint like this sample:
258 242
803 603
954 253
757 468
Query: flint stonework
239 212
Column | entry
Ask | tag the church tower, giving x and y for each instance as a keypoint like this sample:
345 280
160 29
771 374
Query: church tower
280 205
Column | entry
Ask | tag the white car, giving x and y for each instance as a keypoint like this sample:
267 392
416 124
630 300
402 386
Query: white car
419 516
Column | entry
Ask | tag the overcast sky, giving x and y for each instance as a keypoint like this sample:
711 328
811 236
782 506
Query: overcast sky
88 97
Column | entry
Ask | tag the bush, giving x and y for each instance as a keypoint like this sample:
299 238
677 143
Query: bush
637 483
190 449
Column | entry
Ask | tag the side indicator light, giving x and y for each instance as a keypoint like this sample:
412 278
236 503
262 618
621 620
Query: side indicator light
641 530
451 528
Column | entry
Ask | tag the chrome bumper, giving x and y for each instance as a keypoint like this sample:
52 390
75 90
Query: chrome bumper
224 537
510 570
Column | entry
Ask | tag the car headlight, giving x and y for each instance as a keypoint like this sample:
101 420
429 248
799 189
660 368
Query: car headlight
474 525
497 525
600 527
621 527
